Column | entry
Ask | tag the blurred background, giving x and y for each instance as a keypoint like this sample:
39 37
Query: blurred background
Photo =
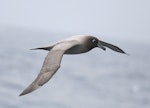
97 79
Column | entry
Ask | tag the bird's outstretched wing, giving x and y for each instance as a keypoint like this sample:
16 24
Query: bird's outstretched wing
50 65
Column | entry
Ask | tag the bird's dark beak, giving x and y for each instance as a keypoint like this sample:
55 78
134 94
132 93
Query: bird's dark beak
99 44
102 44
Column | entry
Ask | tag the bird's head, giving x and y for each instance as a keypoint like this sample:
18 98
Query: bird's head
93 42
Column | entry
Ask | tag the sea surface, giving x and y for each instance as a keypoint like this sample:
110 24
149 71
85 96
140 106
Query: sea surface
97 79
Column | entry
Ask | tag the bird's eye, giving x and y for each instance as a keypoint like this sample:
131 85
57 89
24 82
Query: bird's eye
93 40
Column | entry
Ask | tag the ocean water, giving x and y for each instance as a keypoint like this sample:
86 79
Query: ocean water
97 79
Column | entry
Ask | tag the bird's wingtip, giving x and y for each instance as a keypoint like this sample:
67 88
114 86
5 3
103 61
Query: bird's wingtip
29 89
21 94
25 92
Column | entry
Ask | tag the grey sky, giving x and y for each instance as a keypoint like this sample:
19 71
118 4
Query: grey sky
125 19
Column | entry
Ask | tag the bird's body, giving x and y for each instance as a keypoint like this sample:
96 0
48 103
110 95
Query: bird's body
82 44
73 45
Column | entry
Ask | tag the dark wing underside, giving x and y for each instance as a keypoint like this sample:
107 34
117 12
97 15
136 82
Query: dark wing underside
50 65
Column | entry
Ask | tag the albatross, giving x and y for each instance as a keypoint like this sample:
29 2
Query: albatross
74 45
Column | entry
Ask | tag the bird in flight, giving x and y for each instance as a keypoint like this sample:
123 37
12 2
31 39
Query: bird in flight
74 45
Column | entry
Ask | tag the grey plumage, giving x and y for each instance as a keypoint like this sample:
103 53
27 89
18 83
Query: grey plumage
74 45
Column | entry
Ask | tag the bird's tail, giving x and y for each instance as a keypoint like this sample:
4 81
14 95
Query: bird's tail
43 48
